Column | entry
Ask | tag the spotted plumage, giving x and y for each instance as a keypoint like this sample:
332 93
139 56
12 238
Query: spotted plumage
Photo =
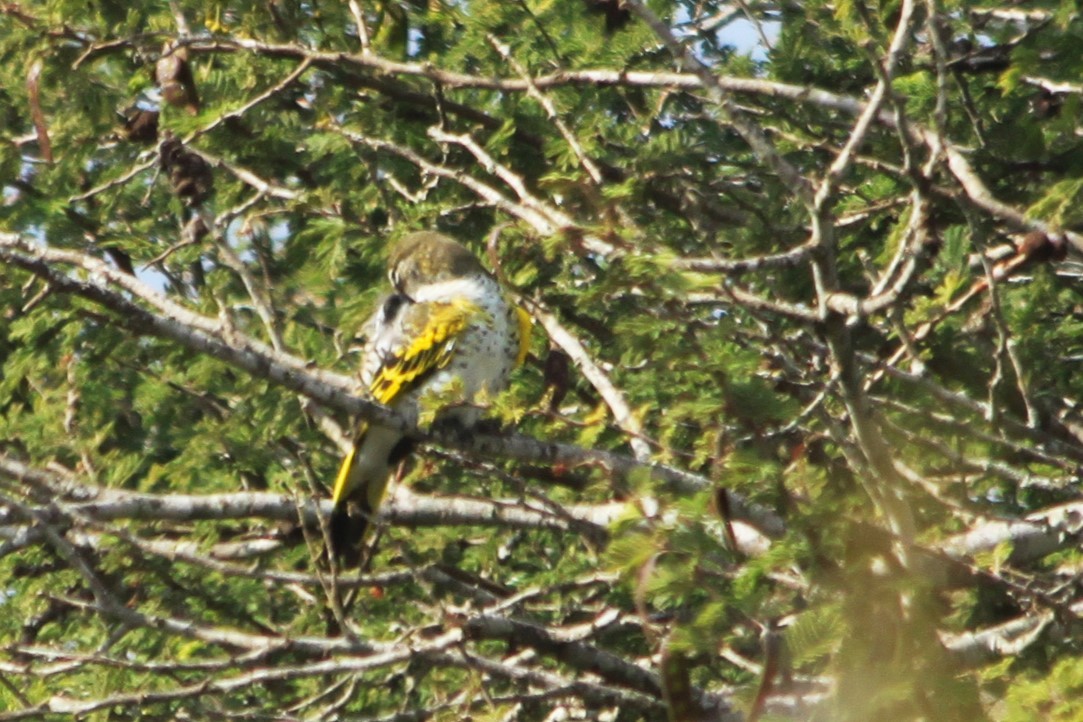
445 327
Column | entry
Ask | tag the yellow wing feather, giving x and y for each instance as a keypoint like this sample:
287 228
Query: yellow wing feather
431 348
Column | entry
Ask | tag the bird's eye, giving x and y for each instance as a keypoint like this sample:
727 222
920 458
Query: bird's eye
391 306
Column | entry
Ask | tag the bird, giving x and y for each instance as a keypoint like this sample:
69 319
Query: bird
445 329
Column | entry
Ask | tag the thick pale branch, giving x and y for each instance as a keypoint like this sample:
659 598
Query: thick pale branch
1004 640
1035 536
205 335
613 397
784 259
585 657
405 508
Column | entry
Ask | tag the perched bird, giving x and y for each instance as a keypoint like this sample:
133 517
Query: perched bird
446 328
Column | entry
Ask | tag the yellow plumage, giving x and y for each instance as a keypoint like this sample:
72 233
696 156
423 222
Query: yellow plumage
430 350
446 326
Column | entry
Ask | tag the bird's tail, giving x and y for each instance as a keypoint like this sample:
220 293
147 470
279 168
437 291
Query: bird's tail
349 516
359 489
347 536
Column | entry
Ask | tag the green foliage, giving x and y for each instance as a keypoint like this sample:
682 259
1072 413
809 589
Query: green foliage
1060 204
623 202
815 635
1055 696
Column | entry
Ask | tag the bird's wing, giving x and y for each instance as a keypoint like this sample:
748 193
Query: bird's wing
413 342
425 343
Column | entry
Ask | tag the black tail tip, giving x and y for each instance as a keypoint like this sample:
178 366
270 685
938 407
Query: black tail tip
347 536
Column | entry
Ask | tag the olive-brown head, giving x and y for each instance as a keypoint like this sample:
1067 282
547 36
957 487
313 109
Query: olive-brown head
427 257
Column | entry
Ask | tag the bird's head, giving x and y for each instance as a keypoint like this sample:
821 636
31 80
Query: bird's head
426 257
